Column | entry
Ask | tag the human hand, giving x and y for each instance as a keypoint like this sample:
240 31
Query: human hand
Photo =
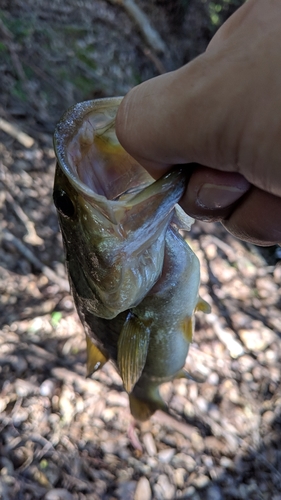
223 112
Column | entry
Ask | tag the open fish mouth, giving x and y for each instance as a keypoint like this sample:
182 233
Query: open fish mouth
93 160
97 166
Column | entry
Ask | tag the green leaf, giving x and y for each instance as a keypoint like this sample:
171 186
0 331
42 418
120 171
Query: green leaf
55 318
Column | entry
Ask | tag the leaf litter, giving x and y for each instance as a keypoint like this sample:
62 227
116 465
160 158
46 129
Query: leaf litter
64 436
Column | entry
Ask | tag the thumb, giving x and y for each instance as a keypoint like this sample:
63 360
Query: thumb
167 121
221 110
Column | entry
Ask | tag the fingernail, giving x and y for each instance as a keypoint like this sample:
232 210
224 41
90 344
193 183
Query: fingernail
214 197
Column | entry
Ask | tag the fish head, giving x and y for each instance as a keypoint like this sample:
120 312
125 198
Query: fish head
112 214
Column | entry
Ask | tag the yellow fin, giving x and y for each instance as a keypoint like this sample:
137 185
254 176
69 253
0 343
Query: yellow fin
203 306
132 350
188 328
95 358
142 409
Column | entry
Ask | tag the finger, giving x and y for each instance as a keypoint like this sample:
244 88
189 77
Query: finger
210 194
245 211
162 122
255 218
205 113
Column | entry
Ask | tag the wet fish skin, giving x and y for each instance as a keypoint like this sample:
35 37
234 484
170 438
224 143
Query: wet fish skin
134 279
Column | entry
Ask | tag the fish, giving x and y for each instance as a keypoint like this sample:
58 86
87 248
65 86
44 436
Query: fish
134 279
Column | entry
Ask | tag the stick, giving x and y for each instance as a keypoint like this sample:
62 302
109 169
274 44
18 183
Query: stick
150 35
15 132
28 254
31 236
156 61
166 419
226 336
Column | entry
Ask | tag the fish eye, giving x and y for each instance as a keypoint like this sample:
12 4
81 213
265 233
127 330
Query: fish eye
63 203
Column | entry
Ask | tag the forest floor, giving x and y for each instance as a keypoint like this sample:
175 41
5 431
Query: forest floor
64 436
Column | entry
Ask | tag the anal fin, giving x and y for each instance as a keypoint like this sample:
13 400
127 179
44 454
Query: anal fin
143 409
132 350
95 358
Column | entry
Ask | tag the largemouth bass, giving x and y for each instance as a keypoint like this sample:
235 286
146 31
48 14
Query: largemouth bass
133 277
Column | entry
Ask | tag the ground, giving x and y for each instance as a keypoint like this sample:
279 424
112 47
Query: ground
63 436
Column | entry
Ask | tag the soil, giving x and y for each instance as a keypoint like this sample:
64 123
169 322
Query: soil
64 436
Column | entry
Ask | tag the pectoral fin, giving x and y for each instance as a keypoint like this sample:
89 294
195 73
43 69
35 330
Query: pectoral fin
203 306
188 323
95 358
181 219
132 350
188 328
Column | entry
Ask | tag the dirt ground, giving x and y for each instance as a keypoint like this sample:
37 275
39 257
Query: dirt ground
63 436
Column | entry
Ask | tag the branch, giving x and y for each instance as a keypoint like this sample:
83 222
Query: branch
31 236
29 255
150 35
15 132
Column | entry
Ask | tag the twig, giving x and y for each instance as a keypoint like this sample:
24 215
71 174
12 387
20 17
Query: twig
31 236
156 61
226 336
102 81
28 254
42 74
148 32
213 280
15 132
16 60
9 37
6 33
229 252
166 419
